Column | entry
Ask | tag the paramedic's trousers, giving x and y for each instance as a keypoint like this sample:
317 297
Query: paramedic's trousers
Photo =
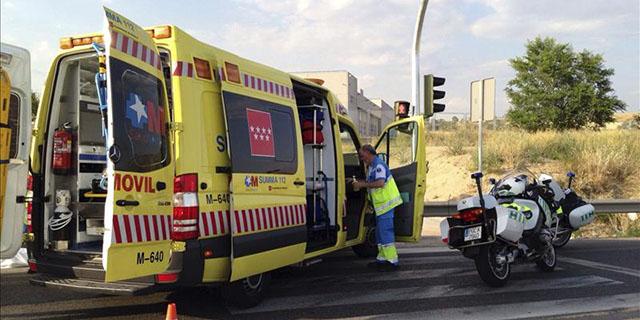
385 238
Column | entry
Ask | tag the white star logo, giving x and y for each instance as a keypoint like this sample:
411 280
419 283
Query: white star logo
264 130
255 136
267 138
261 137
251 128
139 108
269 130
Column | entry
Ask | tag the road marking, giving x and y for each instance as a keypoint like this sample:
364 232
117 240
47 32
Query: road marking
416 293
401 250
411 260
369 277
547 308
601 266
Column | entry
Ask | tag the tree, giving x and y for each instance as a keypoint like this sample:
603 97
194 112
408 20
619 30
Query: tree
557 88
35 101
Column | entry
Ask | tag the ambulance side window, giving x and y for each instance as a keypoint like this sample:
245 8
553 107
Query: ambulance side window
352 164
399 143
139 119
14 124
262 135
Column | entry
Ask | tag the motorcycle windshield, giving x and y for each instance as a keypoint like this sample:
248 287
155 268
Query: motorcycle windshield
520 175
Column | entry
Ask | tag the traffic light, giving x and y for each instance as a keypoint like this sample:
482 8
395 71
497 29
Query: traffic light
402 109
431 95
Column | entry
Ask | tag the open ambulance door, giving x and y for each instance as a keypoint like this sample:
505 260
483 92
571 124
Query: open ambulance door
402 146
140 168
15 138
268 196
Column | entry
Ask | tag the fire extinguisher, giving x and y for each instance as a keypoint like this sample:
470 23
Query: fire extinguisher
62 149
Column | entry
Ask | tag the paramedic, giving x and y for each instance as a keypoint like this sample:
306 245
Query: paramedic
385 197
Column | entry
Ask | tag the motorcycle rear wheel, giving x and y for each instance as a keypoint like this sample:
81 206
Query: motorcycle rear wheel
491 272
562 240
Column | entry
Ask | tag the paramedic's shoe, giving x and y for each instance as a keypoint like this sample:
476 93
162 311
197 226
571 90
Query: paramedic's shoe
376 264
388 267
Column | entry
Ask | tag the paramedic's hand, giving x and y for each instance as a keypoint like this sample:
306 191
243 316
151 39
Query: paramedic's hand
357 185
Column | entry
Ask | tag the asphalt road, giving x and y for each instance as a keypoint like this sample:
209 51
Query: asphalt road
595 279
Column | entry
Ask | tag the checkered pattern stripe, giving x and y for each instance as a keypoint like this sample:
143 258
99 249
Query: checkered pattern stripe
216 223
129 228
135 49
183 69
263 85
266 86
259 219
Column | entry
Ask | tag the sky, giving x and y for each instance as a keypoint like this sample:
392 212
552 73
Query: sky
463 40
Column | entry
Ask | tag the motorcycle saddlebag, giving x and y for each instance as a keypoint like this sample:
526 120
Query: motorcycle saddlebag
581 216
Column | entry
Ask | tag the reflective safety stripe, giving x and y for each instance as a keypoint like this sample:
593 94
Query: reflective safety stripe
388 252
385 198
516 206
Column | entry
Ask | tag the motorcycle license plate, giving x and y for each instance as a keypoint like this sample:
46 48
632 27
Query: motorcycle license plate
474 233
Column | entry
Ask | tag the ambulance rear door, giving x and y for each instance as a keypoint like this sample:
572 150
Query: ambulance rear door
402 145
15 137
140 168
268 220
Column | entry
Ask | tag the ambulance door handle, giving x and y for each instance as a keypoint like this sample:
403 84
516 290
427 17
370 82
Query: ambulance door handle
125 203
298 183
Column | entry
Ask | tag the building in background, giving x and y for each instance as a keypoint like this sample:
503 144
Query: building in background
369 115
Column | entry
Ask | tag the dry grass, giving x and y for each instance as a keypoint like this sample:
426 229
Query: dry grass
607 163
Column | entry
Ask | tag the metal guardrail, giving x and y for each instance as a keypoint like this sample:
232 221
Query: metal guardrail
447 208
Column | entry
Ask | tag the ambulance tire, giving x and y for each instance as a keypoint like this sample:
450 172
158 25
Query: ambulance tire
369 248
247 292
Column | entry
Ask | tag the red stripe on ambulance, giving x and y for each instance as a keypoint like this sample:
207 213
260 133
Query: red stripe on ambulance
135 49
128 228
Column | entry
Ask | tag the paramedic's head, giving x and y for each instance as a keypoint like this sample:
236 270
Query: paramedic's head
367 153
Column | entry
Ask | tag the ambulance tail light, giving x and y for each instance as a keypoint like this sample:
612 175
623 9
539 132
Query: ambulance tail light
185 207
166 277
29 203
33 267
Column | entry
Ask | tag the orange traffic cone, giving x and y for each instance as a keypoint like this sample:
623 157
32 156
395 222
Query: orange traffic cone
171 312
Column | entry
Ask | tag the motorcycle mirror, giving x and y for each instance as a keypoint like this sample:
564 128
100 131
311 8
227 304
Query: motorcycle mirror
492 180
570 174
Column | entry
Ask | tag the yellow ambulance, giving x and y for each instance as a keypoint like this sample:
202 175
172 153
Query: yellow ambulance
160 161
15 135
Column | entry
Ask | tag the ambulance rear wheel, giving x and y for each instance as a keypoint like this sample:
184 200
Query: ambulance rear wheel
369 248
247 292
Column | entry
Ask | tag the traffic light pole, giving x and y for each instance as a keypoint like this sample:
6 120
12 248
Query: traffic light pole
415 58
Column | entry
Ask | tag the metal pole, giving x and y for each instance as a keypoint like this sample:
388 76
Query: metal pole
480 120
415 58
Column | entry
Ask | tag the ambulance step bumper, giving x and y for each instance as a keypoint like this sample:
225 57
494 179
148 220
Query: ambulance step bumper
117 288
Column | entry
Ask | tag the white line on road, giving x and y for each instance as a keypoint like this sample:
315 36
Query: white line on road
415 293
547 308
601 266
392 276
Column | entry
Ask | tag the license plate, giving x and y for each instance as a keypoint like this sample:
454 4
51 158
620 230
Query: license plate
473 233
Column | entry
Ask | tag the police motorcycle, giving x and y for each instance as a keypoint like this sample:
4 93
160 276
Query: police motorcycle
570 211
502 228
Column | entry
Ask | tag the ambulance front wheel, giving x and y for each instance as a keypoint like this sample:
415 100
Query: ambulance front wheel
369 248
247 292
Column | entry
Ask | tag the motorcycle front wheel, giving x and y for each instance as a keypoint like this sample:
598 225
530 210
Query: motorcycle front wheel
547 261
493 271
